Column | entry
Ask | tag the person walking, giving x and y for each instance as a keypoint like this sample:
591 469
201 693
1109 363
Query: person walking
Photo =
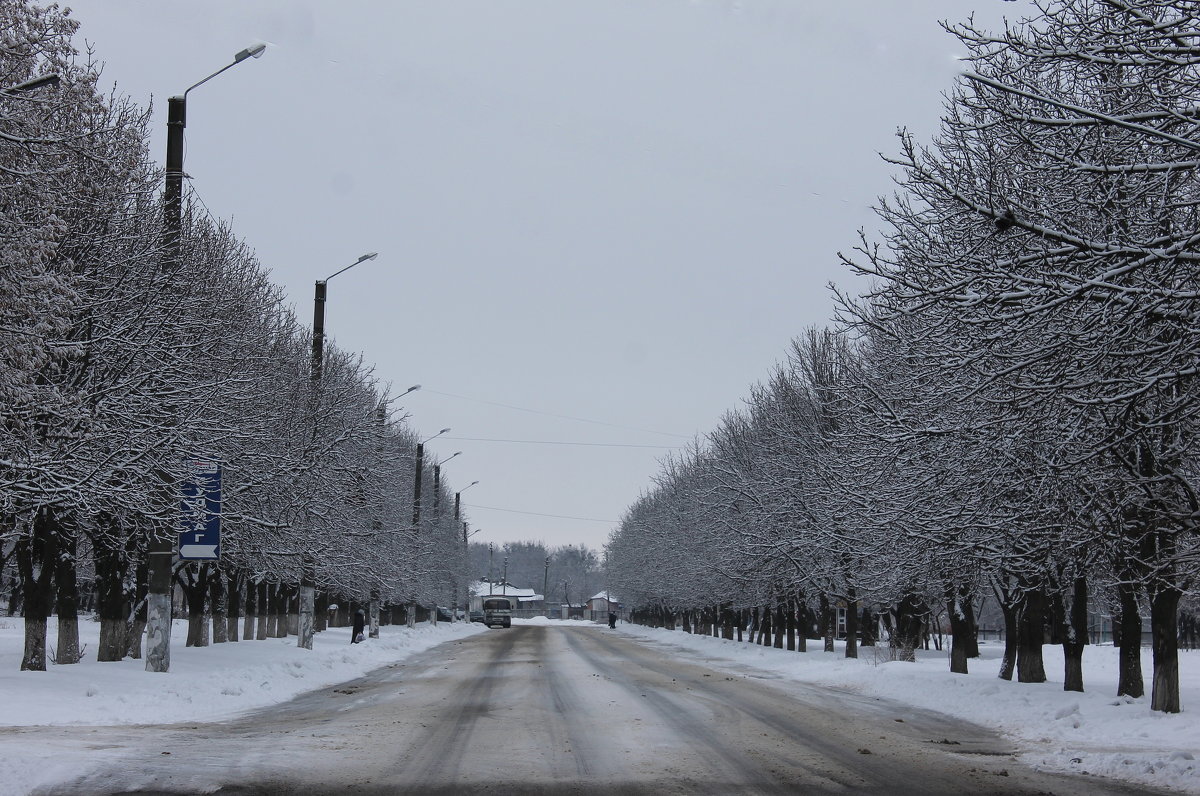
360 621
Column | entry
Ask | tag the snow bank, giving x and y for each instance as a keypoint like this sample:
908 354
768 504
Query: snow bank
204 684
1093 732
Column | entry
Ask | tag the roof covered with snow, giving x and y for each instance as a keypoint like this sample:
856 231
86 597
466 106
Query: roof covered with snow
482 588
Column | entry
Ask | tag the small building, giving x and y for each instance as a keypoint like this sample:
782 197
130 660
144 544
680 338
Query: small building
527 601
601 605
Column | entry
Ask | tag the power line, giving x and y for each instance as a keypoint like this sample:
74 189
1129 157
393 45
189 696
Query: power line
552 414
555 442
539 514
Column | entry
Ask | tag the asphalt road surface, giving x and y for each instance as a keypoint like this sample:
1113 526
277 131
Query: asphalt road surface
553 709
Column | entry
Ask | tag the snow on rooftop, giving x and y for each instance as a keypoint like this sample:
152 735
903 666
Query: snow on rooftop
482 588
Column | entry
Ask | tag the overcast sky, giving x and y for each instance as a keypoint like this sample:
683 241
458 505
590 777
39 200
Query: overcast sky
616 211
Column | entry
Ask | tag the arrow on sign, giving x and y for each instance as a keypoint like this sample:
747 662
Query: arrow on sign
198 551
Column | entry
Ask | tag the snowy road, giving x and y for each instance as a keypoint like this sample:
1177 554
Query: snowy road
560 709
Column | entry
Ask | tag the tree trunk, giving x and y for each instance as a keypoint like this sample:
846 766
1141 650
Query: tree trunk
139 590
261 605
218 598
791 625
35 567
111 567
1164 612
235 585
868 625
1011 610
373 615
851 624
1075 636
1129 682
195 588
910 618
803 624
1031 634
289 623
828 621
251 608
972 638
321 612
67 605
959 629
291 611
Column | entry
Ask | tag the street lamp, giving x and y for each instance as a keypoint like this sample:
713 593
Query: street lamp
437 485
51 79
420 462
467 566
308 575
318 336
458 498
416 511
162 550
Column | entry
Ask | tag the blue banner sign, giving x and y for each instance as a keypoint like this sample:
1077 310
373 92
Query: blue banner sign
200 512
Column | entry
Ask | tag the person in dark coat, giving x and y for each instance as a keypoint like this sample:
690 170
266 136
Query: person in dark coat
360 621
612 620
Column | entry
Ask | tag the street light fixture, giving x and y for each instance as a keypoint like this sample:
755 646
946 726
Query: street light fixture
318 337
162 550
458 498
308 575
420 463
437 485
51 79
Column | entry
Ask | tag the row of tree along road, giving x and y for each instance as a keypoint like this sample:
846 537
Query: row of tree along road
117 371
1010 409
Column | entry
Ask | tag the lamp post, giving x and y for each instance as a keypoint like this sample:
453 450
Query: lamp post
318 337
162 550
420 463
458 498
416 511
437 486
308 574
467 557
437 516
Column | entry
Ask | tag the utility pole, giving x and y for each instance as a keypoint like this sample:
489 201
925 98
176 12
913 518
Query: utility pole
162 547
546 589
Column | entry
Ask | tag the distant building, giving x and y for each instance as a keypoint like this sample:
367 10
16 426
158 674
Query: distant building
601 605
526 599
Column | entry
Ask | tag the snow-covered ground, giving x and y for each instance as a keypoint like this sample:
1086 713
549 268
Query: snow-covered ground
204 684
1093 732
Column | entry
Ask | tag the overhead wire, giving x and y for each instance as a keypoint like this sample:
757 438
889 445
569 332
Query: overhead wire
553 414
539 514
566 442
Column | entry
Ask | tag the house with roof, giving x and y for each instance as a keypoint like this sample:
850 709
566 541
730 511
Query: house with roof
523 599
600 605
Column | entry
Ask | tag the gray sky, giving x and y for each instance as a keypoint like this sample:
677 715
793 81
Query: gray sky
613 210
